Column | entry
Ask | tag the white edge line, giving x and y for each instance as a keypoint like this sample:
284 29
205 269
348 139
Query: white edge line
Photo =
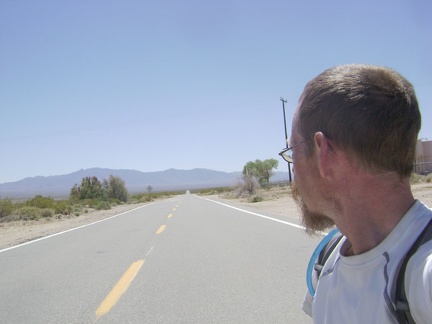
259 215
70 230
263 216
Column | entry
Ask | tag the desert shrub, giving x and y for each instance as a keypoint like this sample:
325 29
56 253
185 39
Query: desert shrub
114 202
6 207
247 186
102 205
257 199
76 208
63 208
144 199
28 213
47 212
91 203
414 178
417 178
41 202
9 218
214 191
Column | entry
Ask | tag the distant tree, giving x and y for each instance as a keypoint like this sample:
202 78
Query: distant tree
74 193
149 189
115 188
90 188
261 170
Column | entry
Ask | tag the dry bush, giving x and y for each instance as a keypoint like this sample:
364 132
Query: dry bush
417 178
247 186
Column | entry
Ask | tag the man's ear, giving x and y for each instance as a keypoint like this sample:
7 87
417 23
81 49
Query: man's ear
324 154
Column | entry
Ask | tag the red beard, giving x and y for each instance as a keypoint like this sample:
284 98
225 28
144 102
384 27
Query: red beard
312 221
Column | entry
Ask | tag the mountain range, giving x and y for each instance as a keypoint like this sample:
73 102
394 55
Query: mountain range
135 181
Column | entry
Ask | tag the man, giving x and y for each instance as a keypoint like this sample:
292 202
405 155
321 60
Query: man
353 146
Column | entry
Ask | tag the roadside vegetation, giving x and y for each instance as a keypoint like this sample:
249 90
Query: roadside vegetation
93 194
255 185
256 175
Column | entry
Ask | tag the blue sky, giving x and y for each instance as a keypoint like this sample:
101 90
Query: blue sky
153 85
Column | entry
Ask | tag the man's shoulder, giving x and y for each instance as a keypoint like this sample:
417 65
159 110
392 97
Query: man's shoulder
418 283
420 207
422 253
417 278
411 225
422 258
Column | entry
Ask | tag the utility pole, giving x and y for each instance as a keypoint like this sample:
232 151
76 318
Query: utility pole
284 101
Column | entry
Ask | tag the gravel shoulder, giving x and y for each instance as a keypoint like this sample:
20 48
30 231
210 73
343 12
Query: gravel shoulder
275 200
18 232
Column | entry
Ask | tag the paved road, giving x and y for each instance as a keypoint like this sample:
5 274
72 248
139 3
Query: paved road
183 260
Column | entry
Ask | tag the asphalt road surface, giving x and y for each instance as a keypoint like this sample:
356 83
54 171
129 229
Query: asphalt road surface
182 260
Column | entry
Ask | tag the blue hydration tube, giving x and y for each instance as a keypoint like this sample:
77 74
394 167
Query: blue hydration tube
314 257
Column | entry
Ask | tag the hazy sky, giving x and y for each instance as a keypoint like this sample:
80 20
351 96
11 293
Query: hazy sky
153 85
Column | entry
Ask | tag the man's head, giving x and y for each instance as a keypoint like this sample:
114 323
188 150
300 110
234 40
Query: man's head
370 114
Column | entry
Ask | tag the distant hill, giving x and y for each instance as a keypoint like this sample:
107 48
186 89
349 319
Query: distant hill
136 181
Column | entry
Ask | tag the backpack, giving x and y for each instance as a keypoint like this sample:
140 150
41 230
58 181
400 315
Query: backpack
402 305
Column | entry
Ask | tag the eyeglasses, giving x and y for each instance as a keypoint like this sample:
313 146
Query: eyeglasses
288 157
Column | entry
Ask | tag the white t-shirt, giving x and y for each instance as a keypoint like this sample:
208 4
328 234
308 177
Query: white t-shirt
358 289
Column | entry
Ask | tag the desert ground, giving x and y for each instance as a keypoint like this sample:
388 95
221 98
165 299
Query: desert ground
276 200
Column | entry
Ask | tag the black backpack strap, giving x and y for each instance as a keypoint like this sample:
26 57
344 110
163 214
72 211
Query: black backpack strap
402 306
326 251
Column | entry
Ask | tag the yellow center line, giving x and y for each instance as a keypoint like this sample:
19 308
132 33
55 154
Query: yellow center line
119 289
161 229
170 215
